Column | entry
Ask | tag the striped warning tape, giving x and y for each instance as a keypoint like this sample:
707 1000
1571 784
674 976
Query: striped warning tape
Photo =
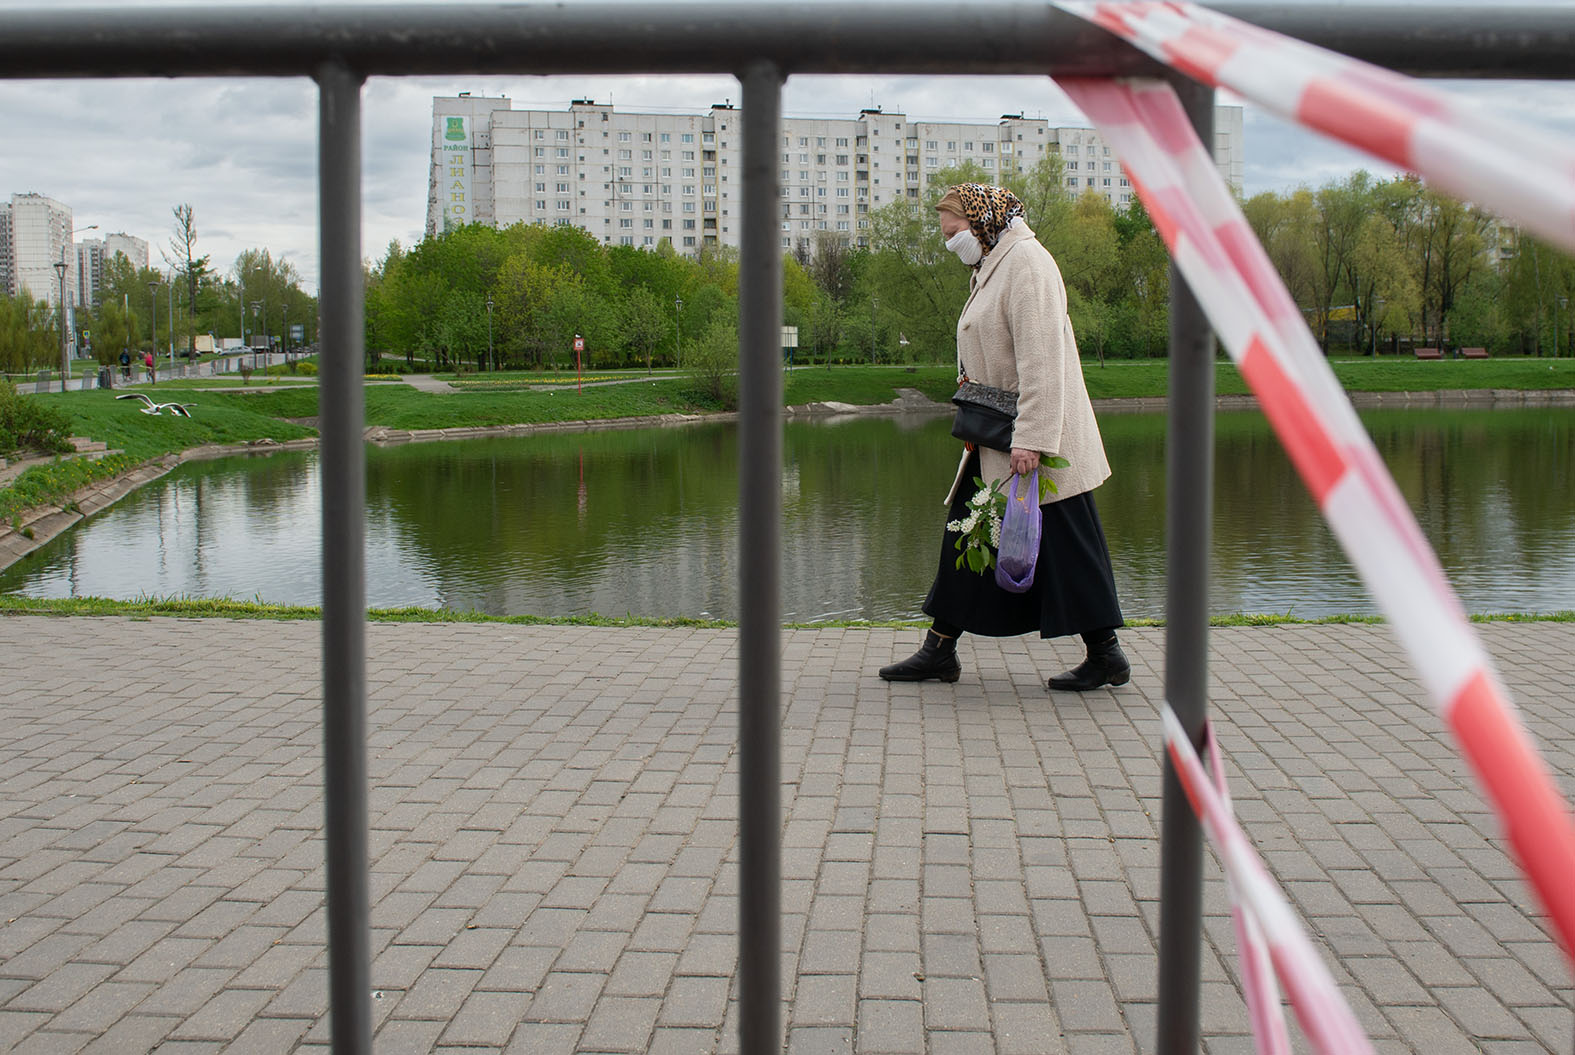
1258 323
1257 966
1325 1017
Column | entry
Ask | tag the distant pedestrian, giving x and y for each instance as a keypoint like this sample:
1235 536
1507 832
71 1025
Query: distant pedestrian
147 361
125 365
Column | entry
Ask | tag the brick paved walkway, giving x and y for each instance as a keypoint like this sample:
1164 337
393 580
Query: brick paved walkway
968 868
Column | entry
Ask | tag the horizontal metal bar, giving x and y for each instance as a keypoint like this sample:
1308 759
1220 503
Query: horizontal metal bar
984 37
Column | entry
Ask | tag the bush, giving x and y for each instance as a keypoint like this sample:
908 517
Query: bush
31 424
713 362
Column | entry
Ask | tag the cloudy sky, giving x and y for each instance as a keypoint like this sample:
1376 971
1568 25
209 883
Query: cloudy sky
243 152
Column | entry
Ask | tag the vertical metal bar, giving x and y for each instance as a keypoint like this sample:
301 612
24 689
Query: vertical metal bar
759 569
344 561
1190 475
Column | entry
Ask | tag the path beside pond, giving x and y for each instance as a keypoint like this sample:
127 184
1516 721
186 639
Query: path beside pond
966 868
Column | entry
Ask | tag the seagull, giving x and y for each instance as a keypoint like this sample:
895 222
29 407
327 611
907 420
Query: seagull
150 407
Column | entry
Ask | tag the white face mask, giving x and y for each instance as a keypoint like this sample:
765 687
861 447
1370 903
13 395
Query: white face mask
966 246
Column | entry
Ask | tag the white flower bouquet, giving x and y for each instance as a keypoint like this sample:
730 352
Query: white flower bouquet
979 533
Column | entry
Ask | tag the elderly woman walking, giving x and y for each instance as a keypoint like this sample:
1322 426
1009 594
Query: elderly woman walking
1014 334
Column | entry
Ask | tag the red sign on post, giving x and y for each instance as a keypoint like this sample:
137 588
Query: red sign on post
579 344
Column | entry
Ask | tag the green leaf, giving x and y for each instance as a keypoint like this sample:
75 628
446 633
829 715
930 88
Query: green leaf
959 563
1055 461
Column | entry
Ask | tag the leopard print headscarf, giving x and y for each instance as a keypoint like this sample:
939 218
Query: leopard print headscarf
988 211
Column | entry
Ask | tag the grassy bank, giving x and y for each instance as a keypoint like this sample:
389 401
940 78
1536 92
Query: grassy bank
183 607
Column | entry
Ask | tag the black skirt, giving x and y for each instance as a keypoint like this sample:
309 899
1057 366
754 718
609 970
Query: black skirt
1074 590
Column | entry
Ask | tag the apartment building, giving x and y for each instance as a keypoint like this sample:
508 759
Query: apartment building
35 235
94 253
632 178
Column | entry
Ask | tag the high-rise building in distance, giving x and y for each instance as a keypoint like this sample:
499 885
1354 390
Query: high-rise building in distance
632 178
35 235
94 253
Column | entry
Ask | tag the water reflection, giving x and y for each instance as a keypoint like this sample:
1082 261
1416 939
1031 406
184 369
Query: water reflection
645 522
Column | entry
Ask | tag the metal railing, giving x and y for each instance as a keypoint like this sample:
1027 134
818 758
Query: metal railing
761 44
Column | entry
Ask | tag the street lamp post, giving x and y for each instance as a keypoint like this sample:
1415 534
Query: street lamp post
491 363
172 324
256 304
65 364
153 330
678 333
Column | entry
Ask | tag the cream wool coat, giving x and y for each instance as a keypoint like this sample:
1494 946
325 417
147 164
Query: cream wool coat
1014 333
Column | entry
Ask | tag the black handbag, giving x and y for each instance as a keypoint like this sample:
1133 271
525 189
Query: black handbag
984 415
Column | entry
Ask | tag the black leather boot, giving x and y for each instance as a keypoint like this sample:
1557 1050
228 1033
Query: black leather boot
1106 665
937 659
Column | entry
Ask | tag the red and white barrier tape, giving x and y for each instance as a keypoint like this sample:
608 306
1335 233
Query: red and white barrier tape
1257 967
1257 322
1496 163
1232 277
1325 1017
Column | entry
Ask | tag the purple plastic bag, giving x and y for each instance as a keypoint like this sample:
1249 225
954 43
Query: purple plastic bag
1020 528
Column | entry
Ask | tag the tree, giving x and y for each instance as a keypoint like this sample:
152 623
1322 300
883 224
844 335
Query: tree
272 285
1451 238
27 334
1383 284
713 361
645 322
833 265
1339 210
181 255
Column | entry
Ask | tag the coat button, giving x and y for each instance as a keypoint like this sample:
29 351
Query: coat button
966 325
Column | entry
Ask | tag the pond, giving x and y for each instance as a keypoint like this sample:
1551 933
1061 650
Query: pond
645 522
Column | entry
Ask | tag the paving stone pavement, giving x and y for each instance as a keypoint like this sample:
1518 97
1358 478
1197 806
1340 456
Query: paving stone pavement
966 868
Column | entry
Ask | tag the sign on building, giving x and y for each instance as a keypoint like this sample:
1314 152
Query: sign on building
456 193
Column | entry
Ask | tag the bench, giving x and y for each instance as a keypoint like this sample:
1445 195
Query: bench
1473 353
1429 353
